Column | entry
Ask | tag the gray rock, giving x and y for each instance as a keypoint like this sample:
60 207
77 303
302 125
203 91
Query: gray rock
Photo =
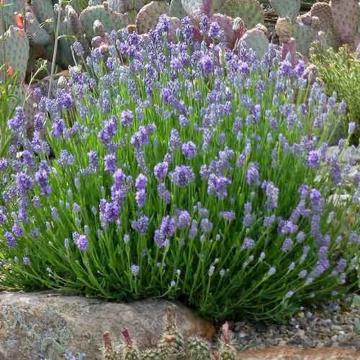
45 325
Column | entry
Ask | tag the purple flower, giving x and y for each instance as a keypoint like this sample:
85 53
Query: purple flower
272 195
140 197
23 182
174 141
10 239
135 269
182 175
17 230
80 241
58 128
313 159
351 128
66 158
164 193
159 239
287 245
160 170
207 65
110 163
17 123
109 211
189 149
64 99
78 48
214 30
141 225
183 220
108 131
217 185
252 174
3 164
287 227
248 244
168 226
141 182
127 118
206 225
227 215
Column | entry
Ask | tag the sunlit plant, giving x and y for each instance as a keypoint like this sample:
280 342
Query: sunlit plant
193 172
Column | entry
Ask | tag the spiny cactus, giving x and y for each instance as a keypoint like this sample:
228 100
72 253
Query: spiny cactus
110 19
198 349
286 8
171 344
148 16
108 350
250 11
43 9
226 350
151 354
346 18
14 50
8 10
35 32
129 350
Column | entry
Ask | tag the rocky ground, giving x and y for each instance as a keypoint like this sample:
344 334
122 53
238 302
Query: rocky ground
335 326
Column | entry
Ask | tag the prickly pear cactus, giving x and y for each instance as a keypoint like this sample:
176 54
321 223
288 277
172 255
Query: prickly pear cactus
70 28
8 10
250 11
176 9
256 40
14 50
304 35
148 16
346 18
226 24
196 7
110 19
286 8
43 9
198 349
322 11
34 31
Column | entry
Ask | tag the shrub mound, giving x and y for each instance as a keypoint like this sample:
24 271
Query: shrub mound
192 172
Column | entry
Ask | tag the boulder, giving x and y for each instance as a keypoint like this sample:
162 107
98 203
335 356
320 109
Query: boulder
46 325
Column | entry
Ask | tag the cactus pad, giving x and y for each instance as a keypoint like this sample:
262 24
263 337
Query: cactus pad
148 16
256 40
198 349
110 19
14 50
286 8
43 9
250 11
35 32
176 9
346 18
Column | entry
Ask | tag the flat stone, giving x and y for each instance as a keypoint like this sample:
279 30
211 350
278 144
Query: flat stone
45 325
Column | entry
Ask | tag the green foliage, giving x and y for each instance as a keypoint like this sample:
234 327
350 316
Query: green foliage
340 72
8 101
241 222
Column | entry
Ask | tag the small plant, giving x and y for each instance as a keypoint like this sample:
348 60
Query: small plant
193 173
340 72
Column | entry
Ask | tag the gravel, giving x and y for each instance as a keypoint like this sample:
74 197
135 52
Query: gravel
333 325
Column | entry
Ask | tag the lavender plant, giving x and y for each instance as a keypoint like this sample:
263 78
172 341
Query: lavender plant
193 172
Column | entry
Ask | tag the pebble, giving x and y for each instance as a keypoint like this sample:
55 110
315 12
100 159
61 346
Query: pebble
331 325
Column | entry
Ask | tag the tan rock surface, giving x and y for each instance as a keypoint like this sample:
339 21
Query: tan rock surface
35 326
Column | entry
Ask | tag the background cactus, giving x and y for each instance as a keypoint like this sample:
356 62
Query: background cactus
171 345
250 11
345 15
14 50
256 40
148 16
286 8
